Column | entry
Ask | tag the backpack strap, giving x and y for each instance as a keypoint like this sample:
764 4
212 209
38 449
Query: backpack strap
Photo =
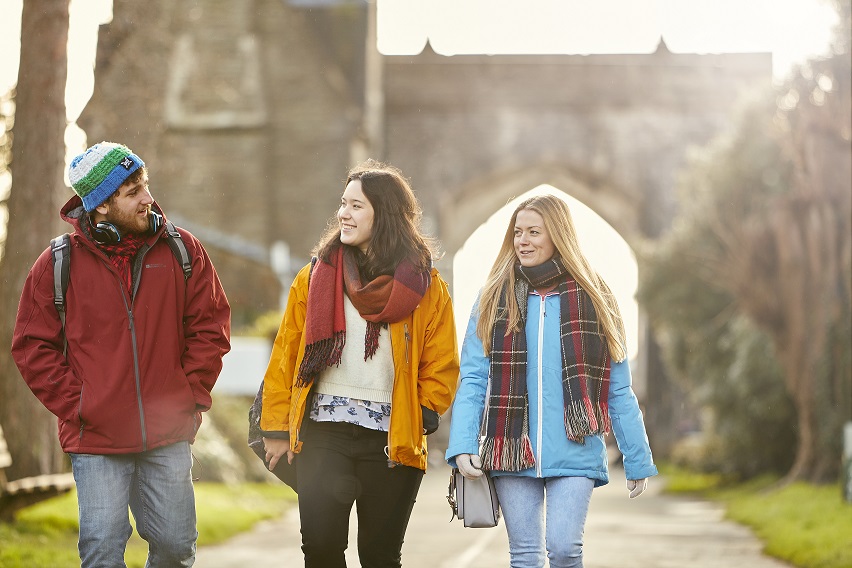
60 249
178 247
314 260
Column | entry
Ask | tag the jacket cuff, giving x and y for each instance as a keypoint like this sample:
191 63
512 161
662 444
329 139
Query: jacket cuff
203 400
277 434
640 472
431 420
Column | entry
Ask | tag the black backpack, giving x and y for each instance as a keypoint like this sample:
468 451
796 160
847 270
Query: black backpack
60 248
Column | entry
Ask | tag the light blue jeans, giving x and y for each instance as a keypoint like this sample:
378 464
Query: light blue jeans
534 528
157 486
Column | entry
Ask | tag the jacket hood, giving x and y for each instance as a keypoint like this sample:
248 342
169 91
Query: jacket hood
73 213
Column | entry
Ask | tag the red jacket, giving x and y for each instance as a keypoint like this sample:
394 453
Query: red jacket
137 369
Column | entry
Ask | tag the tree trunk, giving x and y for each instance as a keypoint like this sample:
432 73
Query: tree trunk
803 464
38 157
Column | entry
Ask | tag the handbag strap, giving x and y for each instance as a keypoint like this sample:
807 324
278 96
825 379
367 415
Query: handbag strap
451 495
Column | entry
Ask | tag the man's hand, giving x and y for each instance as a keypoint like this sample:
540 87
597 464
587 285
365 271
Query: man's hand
276 448
469 465
636 487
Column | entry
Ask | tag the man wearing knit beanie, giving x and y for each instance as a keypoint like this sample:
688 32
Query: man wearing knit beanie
96 175
130 371
99 171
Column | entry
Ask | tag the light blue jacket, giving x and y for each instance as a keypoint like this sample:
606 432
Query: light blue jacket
555 454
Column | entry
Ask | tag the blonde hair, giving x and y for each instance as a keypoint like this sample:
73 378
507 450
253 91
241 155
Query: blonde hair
560 227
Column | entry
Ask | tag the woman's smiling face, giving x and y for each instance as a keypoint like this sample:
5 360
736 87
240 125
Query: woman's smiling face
355 217
533 245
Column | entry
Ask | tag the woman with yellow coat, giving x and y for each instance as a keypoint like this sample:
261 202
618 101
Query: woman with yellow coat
364 364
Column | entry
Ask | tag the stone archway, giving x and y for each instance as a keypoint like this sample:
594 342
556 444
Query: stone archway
477 200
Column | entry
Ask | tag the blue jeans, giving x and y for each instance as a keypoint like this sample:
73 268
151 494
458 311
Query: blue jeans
534 527
156 485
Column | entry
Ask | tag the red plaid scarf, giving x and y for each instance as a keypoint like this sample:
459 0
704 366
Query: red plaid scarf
121 255
585 371
385 299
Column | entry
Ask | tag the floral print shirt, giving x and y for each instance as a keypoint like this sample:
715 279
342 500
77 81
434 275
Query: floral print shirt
366 413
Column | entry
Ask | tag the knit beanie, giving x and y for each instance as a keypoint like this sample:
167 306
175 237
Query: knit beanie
99 171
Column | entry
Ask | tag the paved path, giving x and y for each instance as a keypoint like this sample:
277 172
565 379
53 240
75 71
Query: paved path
653 531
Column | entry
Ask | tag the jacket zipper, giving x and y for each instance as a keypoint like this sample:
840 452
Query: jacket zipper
392 463
542 315
133 339
407 351
407 341
131 325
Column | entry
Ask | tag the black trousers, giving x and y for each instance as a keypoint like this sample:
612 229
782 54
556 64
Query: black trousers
341 464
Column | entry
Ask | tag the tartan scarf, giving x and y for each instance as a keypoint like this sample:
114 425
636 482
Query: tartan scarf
585 370
383 300
121 254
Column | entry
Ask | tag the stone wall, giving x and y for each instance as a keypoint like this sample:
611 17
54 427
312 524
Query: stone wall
614 128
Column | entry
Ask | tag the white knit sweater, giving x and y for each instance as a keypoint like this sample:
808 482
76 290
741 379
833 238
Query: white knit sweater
355 378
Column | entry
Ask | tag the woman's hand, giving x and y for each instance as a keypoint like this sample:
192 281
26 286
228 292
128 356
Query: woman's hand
431 420
275 448
469 465
636 487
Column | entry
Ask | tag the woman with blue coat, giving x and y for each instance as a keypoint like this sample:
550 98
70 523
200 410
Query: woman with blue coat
544 376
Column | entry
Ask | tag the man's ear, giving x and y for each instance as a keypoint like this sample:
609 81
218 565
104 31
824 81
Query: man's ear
103 208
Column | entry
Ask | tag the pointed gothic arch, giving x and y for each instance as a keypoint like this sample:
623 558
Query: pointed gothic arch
476 201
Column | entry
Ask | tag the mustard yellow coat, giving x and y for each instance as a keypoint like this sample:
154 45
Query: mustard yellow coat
426 370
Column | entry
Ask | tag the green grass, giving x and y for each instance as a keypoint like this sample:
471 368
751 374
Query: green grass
45 535
808 525
224 511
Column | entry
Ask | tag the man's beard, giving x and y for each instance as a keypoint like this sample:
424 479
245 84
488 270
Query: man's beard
127 224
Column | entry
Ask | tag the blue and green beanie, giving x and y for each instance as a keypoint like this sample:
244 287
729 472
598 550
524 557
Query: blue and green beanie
99 171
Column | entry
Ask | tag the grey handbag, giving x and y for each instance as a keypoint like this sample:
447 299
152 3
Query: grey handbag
473 501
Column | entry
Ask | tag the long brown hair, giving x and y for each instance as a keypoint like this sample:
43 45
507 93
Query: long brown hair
560 227
396 233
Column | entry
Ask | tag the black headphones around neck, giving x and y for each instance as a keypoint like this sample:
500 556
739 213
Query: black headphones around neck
108 234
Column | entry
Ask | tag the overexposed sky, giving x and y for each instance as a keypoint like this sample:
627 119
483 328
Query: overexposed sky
791 29
85 17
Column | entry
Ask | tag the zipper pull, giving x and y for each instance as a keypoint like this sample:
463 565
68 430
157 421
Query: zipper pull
407 341
130 320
